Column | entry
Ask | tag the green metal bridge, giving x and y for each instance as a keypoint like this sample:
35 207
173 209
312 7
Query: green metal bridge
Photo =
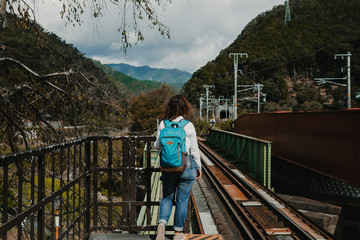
251 155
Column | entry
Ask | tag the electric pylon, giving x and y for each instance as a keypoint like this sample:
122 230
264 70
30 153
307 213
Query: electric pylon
287 12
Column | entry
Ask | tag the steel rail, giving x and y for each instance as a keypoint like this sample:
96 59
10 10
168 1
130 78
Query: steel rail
248 188
229 205
248 228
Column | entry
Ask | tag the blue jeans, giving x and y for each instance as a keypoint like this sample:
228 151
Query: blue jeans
181 183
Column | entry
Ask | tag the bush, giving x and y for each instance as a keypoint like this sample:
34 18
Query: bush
202 127
226 125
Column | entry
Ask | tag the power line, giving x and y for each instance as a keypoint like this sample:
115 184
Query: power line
301 57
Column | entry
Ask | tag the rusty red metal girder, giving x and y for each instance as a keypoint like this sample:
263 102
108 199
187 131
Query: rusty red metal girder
327 142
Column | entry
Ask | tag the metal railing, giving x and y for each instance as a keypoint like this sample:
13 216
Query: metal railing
251 155
69 190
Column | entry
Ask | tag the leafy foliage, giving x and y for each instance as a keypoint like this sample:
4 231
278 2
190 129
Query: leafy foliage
131 14
225 125
282 56
47 82
202 127
146 108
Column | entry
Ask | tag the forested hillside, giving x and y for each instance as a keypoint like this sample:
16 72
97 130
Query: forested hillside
285 58
171 77
127 84
46 84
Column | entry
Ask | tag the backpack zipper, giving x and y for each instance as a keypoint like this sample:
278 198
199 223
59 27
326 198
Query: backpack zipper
178 150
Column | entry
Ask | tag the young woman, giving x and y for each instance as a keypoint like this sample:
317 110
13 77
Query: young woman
179 183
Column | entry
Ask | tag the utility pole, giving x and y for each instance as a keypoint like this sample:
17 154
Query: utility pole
201 99
348 55
200 107
236 62
348 78
221 106
226 106
287 12
256 87
207 100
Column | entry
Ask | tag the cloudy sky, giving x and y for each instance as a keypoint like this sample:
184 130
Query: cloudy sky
200 28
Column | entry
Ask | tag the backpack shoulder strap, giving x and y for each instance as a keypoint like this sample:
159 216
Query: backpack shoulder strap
182 123
167 123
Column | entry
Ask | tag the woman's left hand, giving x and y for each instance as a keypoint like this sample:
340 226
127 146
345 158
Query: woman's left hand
198 174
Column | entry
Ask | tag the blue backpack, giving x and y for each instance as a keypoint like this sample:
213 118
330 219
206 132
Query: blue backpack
173 155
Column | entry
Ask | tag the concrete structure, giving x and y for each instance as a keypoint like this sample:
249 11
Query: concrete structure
327 216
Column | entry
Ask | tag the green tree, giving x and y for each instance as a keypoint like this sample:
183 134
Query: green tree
308 94
146 108
34 106
202 127
225 125
271 107
284 55
276 89
311 106
53 83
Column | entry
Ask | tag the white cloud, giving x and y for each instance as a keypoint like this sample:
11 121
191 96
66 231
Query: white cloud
201 29
115 46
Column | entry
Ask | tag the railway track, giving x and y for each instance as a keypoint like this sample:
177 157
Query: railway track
255 212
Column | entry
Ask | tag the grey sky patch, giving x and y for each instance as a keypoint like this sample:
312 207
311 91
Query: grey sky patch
201 28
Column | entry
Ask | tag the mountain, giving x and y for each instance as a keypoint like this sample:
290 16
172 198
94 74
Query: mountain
286 58
172 77
127 84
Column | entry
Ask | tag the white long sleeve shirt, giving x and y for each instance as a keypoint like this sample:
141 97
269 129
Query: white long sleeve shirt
190 142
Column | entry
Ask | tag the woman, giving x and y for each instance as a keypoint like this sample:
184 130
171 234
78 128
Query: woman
181 183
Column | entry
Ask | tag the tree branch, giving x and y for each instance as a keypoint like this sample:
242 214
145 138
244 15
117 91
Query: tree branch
17 126
91 83
34 73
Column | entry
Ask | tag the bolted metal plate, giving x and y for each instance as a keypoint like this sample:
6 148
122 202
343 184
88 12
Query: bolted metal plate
219 175
235 193
251 203
278 231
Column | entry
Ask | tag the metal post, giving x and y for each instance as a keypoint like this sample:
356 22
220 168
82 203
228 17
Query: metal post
41 196
207 100
200 107
95 183
256 87
57 225
226 113
236 61
218 108
207 104
258 97
287 12
233 99
87 188
348 80
348 55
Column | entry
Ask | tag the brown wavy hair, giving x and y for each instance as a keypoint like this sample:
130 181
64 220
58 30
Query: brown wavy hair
177 106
